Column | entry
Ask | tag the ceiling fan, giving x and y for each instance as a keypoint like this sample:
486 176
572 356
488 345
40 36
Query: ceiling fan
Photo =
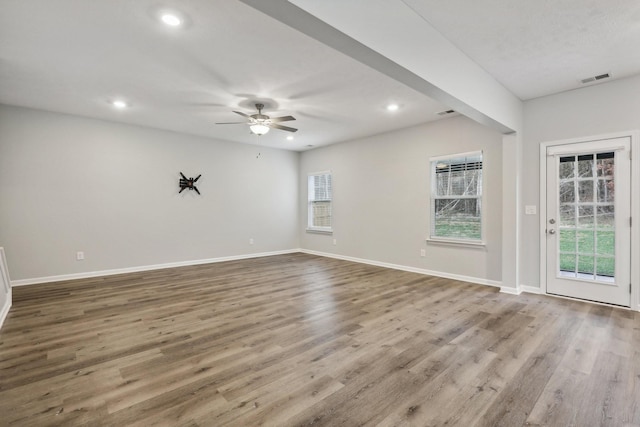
261 123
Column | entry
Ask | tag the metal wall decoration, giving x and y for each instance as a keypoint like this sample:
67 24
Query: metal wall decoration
188 183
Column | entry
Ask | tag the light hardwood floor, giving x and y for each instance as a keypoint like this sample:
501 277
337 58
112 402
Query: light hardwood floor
299 340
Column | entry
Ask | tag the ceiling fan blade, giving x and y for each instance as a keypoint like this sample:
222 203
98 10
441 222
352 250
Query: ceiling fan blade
287 128
282 119
242 114
232 123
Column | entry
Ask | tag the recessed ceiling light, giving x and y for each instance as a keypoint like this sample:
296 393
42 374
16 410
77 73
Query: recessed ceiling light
290 138
171 19
392 107
119 104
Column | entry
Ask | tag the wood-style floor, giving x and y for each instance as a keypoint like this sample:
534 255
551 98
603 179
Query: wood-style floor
299 340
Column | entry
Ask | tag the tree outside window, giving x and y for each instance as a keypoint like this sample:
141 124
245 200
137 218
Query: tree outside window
456 197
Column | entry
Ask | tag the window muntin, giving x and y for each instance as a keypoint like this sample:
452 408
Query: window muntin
587 216
320 189
456 197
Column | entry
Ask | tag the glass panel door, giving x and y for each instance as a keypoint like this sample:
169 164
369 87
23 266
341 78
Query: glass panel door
588 241
587 216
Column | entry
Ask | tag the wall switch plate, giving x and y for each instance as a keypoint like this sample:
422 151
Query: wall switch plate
335 242
251 241
423 252
79 256
530 210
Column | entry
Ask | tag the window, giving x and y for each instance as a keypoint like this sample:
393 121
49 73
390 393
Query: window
319 208
456 198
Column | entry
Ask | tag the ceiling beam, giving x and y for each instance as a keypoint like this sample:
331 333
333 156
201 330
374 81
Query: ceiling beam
502 112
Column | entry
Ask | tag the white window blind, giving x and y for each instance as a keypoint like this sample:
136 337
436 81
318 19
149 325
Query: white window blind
320 190
456 197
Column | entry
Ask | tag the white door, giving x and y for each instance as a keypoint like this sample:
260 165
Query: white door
588 227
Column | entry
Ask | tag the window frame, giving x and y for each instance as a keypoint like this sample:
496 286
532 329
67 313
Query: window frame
310 227
433 197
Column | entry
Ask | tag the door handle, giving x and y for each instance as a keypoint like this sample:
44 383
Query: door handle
552 231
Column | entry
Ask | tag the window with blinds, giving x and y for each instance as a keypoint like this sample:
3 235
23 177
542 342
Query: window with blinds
456 197
320 199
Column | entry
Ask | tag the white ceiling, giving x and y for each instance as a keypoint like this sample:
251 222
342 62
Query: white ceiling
540 47
74 56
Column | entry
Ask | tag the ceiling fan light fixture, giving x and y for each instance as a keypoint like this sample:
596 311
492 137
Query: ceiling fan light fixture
259 129
259 124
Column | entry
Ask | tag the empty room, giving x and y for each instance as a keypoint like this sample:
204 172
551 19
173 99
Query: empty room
319 213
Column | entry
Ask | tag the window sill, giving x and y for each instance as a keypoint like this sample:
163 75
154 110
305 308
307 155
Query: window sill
319 231
451 242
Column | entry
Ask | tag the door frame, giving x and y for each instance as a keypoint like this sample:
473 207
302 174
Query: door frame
635 207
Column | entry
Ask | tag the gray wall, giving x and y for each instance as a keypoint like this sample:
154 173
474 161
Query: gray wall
602 109
381 198
72 184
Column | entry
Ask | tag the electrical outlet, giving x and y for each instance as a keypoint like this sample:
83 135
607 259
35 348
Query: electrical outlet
251 241
79 256
423 252
530 210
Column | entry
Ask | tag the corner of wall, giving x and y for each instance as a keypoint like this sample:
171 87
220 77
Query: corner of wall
511 196
4 311
531 289
509 290
5 284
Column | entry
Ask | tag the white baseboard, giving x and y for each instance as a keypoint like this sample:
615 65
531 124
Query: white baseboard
511 291
90 274
531 289
452 276
4 311
520 289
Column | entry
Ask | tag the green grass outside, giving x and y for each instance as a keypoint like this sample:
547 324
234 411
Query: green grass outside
459 228
595 252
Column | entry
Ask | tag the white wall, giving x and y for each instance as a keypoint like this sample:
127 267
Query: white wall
606 108
72 184
381 198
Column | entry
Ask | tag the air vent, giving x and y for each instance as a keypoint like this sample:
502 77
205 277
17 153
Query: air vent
444 113
595 78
